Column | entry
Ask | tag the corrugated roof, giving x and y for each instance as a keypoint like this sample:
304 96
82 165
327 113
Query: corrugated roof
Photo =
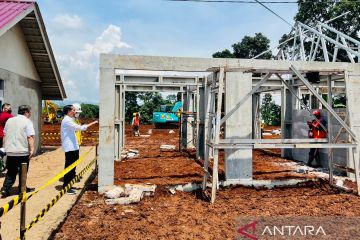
28 15
9 10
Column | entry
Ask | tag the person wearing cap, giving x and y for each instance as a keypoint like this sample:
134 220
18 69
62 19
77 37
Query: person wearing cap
69 142
4 116
316 131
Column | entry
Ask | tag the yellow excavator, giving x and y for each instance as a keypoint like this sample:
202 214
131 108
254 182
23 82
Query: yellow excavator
52 113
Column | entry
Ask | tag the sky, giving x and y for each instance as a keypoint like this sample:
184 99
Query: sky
79 30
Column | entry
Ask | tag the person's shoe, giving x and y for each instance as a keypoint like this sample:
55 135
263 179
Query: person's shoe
71 191
30 189
5 193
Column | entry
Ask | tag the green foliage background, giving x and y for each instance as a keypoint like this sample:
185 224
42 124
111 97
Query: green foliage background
145 104
249 47
270 111
89 111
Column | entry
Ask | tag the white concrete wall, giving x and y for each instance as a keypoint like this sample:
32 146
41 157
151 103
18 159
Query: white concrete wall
238 162
15 55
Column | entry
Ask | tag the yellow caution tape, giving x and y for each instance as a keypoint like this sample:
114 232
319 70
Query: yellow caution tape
58 196
15 201
57 133
58 138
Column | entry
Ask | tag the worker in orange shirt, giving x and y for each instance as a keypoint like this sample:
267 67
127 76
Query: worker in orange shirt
136 123
316 131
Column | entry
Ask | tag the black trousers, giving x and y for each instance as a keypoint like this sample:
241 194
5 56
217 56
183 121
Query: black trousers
13 165
314 154
70 158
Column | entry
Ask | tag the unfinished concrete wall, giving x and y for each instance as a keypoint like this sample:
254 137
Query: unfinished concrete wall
352 82
300 131
19 90
238 162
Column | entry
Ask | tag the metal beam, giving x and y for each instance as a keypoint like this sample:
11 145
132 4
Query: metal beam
223 120
323 102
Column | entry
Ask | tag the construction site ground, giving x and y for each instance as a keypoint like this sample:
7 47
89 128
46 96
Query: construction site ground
188 215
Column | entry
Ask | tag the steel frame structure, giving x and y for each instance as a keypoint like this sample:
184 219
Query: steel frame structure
214 120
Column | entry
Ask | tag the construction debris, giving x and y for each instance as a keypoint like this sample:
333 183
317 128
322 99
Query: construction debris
115 192
131 153
167 147
134 151
276 131
132 193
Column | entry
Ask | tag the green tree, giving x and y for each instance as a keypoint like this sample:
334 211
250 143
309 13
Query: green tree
249 47
270 111
223 54
131 105
151 102
89 110
339 101
171 99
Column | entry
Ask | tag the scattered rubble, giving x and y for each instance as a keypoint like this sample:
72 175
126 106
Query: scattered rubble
167 147
130 193
276 131
143 135
131 153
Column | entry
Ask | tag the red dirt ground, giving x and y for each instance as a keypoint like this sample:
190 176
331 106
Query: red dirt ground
51 134
187 215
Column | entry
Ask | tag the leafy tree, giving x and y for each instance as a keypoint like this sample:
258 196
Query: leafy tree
131 105
89 111
171 99
223 54
339 101
249 47
151 102
270 112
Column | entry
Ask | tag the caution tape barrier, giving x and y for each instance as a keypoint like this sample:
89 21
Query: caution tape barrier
57 133
21 197
58 196
58 138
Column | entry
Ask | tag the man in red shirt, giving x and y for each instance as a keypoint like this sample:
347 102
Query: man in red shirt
317 132
4 116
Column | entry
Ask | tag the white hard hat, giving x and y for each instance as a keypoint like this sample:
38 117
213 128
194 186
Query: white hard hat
77 107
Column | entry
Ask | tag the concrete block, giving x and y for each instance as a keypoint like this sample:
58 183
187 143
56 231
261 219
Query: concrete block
115 192
135 196
149 190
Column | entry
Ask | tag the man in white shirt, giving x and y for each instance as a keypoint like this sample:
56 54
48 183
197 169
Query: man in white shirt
19 146
69 142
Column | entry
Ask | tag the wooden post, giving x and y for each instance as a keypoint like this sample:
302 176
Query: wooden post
23 203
